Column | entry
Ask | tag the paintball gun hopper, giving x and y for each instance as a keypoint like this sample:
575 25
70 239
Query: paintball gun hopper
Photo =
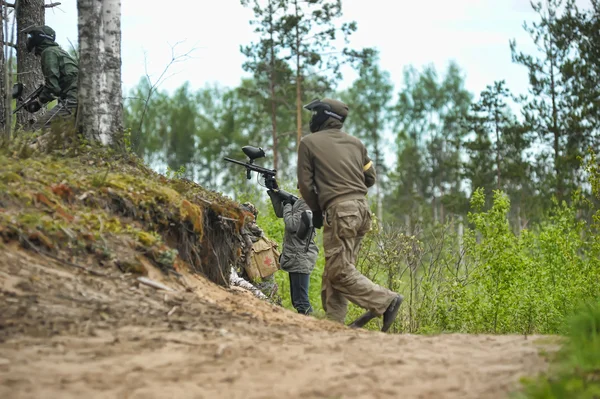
253 152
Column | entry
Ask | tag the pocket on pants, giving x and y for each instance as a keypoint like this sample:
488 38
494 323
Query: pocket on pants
347 223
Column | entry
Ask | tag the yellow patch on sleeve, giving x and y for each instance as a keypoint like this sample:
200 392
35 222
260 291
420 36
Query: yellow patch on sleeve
367 166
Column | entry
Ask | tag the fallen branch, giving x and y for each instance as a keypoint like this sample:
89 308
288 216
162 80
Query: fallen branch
236 280
154 284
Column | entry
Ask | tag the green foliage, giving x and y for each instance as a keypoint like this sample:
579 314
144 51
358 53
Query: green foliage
429 114
489 280
175 174
576 368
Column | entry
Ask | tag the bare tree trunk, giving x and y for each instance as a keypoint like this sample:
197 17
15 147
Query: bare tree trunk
99 91
272 85
461 233
7 73
4 134
298 83
556 133
91 57
111 18
378 170
497 123
29 68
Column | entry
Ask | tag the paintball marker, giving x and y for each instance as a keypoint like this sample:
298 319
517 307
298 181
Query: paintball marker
254 153
17 91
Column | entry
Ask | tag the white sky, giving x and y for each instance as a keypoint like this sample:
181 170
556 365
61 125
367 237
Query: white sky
474 33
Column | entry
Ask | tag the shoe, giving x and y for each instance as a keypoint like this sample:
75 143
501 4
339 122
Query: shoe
391 312
362 320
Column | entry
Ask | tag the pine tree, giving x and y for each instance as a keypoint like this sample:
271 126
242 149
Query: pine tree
549 109
369 99
309 33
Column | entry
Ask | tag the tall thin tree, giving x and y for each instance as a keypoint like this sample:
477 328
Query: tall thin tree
99 91
369 98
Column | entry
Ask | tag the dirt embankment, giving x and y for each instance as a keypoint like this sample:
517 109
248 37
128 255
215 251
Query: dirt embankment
67 334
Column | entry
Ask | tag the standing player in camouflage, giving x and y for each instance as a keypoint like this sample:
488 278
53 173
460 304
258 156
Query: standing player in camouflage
334 173
60 76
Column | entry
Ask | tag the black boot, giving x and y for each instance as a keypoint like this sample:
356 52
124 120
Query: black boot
391 312
362 320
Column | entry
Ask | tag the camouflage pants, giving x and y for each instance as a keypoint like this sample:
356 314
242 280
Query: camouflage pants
345 225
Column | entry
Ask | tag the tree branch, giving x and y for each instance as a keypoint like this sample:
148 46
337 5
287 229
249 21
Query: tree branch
7 4
9 44
52 5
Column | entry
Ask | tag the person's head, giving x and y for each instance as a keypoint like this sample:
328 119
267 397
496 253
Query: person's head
36 35
326 113
249 206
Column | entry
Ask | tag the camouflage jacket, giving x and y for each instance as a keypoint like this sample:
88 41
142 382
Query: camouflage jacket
60 73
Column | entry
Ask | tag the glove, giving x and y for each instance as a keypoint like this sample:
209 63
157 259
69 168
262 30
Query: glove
33 106
317 220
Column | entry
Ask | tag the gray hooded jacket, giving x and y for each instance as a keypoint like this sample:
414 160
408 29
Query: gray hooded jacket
293 258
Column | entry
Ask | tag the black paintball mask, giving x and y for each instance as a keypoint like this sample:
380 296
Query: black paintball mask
36 35
321 111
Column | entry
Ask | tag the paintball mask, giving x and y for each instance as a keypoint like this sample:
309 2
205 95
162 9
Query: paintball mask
323 110
250 208
36 35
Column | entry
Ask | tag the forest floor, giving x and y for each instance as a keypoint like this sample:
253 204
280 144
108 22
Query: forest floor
65 333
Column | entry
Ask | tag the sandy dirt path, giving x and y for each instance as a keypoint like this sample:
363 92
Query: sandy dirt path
66 334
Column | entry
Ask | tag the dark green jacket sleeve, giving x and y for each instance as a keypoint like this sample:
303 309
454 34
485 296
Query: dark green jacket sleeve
51 71
276 201
368 170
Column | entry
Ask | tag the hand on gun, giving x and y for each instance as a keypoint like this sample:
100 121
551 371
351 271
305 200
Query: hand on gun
33 106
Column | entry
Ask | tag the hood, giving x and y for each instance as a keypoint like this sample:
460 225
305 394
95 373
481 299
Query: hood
46 43
331 123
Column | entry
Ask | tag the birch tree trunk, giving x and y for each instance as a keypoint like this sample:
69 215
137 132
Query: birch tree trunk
4 134
99 91
111 18
29 68
8 36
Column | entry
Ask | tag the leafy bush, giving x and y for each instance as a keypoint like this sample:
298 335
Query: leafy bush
489 280
575 372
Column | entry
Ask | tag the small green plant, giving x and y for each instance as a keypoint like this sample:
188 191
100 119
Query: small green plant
98 180
175 174
127 140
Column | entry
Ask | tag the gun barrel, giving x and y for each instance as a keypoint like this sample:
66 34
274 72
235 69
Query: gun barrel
235 161
255 168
